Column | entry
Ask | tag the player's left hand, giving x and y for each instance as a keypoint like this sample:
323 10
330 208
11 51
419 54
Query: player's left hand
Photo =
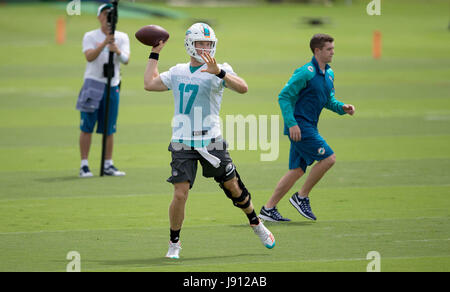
212 68
349 109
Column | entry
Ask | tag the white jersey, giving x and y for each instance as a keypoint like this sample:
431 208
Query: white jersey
197 99
94 69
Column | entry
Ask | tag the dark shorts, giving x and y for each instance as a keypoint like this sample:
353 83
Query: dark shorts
310 148
185 161
89 120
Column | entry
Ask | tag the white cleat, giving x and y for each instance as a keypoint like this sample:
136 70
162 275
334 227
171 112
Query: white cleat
174 250
267 238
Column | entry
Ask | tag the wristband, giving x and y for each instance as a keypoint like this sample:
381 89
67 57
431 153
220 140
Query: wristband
222 74
154 55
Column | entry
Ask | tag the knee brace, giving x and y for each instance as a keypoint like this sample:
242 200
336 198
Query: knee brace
242 197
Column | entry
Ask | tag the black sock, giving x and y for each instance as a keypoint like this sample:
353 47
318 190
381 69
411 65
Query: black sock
253 218
174 235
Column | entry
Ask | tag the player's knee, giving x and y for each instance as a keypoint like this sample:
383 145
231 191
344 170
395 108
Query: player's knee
180 196
239 196
181 191
296 173
233 187
331 160
236 191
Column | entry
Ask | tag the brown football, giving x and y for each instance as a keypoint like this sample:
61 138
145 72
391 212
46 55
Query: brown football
150 35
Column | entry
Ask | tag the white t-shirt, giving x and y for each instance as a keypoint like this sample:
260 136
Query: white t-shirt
94 69
197 99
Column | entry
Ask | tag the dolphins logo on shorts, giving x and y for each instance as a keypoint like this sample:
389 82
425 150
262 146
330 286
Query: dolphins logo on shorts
321 151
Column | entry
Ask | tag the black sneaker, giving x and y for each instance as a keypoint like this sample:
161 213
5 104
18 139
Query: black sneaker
302 206
271 215
113 171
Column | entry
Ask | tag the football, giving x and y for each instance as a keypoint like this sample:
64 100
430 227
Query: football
150 35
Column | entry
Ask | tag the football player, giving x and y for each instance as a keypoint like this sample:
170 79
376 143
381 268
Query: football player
197 88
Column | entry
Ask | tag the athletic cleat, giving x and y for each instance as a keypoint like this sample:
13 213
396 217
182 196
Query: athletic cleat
113 171
302 206
267 238
85 172
271 215
174 250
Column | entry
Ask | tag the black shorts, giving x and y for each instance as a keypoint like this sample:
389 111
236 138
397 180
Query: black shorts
185 161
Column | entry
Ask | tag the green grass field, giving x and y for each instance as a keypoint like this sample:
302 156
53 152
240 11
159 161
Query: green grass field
388 192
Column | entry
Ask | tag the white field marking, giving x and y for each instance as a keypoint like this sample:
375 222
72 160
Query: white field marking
437 117
424 240
77 230
276 262
85 197
363 234
203 193
210 226
25 43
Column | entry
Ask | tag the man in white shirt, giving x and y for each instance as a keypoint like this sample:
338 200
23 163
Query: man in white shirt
197 89
96 47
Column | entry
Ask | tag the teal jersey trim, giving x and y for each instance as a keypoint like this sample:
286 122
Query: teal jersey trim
193 69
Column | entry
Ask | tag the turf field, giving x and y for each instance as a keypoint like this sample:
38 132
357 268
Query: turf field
388 192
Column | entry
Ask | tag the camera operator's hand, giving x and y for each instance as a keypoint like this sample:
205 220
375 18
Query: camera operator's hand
92 54
113 48
108 40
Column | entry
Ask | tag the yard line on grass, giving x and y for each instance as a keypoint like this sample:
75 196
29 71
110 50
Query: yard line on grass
363 234
437 117
424 240
180 263
82 197
149 228
75 230
169 193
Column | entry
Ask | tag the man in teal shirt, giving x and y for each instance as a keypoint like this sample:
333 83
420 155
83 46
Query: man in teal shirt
309 90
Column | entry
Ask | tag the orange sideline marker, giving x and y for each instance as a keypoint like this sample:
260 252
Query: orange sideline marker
60 31
376 50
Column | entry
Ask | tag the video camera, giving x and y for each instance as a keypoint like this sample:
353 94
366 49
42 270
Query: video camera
108 68
113 16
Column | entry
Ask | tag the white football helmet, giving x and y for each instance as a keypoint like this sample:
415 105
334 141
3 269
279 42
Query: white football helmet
200 32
